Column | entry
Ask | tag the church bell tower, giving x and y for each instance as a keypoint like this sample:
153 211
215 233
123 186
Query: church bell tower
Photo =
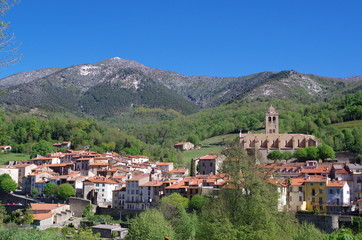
271 121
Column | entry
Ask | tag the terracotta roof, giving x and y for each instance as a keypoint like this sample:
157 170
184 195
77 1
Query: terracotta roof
138 177
319 169
2 147
297 181
179 170
164 163
209 157
152 184
42 216
101 180
45 206
312 179
23 165
336 183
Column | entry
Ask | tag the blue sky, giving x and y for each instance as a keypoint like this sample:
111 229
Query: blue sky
192 37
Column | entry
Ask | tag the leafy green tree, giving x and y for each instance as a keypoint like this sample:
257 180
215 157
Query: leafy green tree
194 139
176 200
42 148
7 184
50 189
301 154
34 192
312 153
287 155
197 202
88 211
150 225
325 151
275 155
65 191
3 214
185 225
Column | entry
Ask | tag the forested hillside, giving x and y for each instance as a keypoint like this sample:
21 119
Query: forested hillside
295 117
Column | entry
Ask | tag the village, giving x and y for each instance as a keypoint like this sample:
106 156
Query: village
121 185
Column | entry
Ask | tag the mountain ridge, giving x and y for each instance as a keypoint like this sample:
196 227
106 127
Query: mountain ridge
84 87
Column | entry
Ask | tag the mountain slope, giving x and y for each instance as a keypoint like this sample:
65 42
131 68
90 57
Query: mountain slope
95 90
116 85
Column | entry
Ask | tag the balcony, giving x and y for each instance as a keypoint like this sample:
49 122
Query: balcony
317 203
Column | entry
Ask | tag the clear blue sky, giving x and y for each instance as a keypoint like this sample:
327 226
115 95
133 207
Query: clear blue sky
192 37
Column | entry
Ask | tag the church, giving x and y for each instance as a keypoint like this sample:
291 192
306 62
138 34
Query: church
273 140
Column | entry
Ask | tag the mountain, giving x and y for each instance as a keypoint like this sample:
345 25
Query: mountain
93 89
114 86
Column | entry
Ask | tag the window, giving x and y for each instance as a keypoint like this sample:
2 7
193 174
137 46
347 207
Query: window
300 199
311 184
102 190
300 189
321 208
320 191
210 164
337 191
102 195
103 184
313 199
320 184
313 192
97 185
330 191
290 198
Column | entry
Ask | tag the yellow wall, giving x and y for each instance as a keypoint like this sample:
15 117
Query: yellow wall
319 197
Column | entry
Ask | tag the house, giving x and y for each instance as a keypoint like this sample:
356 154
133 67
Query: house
110 231
179 172
24 170
208 164
99 190
165 166
296 200
200 184
184 146
48 214
28 184
138 159
281 188
338 197
356 171
118 197
315 193
44 160
133 198
5 149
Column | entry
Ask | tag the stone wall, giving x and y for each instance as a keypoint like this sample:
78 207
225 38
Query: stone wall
326 223
117 213
77 205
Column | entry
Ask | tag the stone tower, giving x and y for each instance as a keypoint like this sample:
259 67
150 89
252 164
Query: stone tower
271 121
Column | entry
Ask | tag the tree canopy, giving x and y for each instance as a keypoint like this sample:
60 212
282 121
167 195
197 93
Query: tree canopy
65 191
7 184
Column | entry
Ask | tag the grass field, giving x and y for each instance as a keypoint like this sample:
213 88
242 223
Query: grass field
5 158
349 124
220 140
188 155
